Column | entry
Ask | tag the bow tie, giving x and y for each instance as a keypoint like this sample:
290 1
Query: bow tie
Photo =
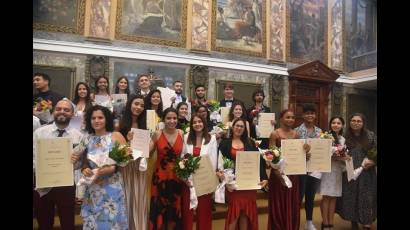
229 101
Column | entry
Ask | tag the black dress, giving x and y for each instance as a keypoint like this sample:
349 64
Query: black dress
359 197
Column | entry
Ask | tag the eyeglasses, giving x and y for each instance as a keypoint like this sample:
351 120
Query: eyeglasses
356 121
239 126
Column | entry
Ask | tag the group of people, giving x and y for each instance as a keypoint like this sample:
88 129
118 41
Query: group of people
147 194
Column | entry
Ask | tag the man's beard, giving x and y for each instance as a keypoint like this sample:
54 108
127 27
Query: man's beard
66 121
198 97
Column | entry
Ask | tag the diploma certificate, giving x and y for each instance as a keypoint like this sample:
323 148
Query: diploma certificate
151 120
102 100
140 141
205 179
119 98
166 94
294 155
53 162
247 170
321 155
225 114
265 124
349 169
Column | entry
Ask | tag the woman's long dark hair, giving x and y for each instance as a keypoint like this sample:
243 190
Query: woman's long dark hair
126 120
87 97
127 90
362 140
244 116
244 137
109 118
97 90
148 104
192 134
334 134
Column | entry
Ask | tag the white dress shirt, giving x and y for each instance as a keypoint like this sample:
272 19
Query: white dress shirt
51 131
36 123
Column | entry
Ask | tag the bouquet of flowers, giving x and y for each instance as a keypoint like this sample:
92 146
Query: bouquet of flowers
185 128
43 105
186 165
228 163
213 106
121 154
272 155
255 115
43 109
326 135
372 154
340 150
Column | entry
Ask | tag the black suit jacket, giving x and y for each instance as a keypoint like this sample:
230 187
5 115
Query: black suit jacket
222 102
225 148
265 141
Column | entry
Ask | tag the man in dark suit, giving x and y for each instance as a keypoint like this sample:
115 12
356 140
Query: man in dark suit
228 96
178 90
257 96
144 85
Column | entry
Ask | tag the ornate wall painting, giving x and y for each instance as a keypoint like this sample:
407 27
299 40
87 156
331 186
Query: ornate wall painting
59 16
100 14
152 21
200 24
307 31
277 29
239 26
336 34
361 37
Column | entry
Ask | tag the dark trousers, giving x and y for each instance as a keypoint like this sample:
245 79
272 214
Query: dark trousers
64 199
308 186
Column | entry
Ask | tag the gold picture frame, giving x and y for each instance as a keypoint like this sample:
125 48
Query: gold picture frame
153 40
214 46
78 17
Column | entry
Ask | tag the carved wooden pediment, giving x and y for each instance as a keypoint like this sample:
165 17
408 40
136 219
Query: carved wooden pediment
313 71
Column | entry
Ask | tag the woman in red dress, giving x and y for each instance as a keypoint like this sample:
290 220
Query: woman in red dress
199 143
284 202
242 211
166 189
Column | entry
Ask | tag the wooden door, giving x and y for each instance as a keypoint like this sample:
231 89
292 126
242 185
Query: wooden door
311 84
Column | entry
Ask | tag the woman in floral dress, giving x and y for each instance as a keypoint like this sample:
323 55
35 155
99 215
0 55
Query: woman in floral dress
104 201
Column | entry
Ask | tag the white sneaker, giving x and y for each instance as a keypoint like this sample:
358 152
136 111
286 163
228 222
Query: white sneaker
309 226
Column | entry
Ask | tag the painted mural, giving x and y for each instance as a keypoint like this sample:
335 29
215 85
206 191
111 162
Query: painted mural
200 12
239 26
152 21
308 27
336 42
278 30
100 18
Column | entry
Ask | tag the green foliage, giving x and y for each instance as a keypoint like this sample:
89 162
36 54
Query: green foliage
185 166
120 153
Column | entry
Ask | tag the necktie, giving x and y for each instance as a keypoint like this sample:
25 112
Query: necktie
60 132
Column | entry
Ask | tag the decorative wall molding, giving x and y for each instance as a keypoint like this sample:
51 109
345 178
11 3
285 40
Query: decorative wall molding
146 55
120 52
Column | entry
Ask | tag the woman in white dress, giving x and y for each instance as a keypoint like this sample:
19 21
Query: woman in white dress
331 183
82 102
